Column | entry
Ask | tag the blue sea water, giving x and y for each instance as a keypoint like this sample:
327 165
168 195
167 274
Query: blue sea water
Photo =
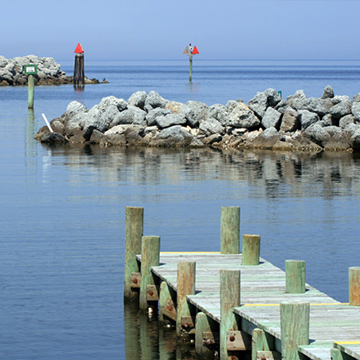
62 210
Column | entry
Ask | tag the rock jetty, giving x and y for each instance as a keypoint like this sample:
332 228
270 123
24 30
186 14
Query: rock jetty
266 122
48 71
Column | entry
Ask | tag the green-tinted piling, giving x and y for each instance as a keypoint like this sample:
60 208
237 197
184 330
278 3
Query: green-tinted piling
205 336
250 250
295 319
134 227
150 256
30 91
295 276
261 341
229 299
185 286
230 230
354 286
167 302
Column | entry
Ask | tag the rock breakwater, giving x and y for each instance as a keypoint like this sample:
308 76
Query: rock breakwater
48 71
266 122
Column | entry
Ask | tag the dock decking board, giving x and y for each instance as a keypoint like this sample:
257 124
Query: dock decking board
332 324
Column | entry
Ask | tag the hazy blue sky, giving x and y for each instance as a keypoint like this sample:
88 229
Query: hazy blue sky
155 29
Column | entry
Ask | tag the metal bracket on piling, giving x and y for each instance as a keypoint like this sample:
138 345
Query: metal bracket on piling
135 279
187 324
238 341
152 293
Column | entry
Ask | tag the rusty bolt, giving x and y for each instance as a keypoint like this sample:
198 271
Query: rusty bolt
135 280
169 307
232 357
232 338
263 358
151 293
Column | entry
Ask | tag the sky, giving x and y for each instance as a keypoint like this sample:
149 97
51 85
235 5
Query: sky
161 29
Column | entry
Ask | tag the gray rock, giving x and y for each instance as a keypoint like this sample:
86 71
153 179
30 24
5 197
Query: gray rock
219 112
273 97
175 136
242 116
290 121
267 139
355 110
326 120
318 106
271 118
328 93
258 104
75 123
53 138
297 100
307 118
356 98
137 99
169 120
346 120
154 100
155 113
317 134
210 127
341 108
108 101
355 139
132 115
74 108
197 112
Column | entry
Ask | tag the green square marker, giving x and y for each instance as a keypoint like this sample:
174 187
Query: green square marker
30 69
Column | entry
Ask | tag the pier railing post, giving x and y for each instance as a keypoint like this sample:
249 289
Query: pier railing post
354 286
295 276
229 299
250 250
134 227
230 230
295 320
150 256
185 286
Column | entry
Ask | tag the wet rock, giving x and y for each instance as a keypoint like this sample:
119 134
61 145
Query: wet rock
53 138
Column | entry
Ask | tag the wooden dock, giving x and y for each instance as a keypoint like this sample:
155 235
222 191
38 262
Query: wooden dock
232 307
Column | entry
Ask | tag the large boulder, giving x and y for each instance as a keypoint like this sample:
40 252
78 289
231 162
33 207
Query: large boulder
137 99
196 112
317 134
297 100
175 136
241 116
132 115
258 104
307 118
328 93
219 112
153 114
165 121
210 127
355 110
290 121
271 118
154 100
341 107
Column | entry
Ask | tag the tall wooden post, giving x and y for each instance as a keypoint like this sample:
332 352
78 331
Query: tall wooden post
295 276
295 320
79 68
354 286
30 91
134 227
185 286
229 299
205 335
261 341
190 73
230 230
190 51
150 256
250 250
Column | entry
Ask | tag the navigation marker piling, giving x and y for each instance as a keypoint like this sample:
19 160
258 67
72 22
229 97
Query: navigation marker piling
79 70
31 70
190 51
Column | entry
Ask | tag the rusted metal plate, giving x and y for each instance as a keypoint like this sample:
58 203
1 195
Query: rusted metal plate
238 341
170 310
152 293
210 338
135 280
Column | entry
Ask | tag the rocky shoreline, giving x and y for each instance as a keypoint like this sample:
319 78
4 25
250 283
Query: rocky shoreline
329 123
49 72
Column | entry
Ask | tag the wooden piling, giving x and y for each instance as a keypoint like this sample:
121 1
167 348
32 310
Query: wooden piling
250 250
150 256
185 286
190 73
354 286
229 299
295 320
31 91
167 303
295 276
205 337
261 341
134 227
230 230
79 70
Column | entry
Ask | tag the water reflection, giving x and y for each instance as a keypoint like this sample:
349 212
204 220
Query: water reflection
147 339
268 174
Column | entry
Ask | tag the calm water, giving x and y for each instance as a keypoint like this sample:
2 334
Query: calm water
62 210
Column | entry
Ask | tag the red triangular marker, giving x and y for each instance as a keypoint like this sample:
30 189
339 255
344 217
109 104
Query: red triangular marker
195 51
79 49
